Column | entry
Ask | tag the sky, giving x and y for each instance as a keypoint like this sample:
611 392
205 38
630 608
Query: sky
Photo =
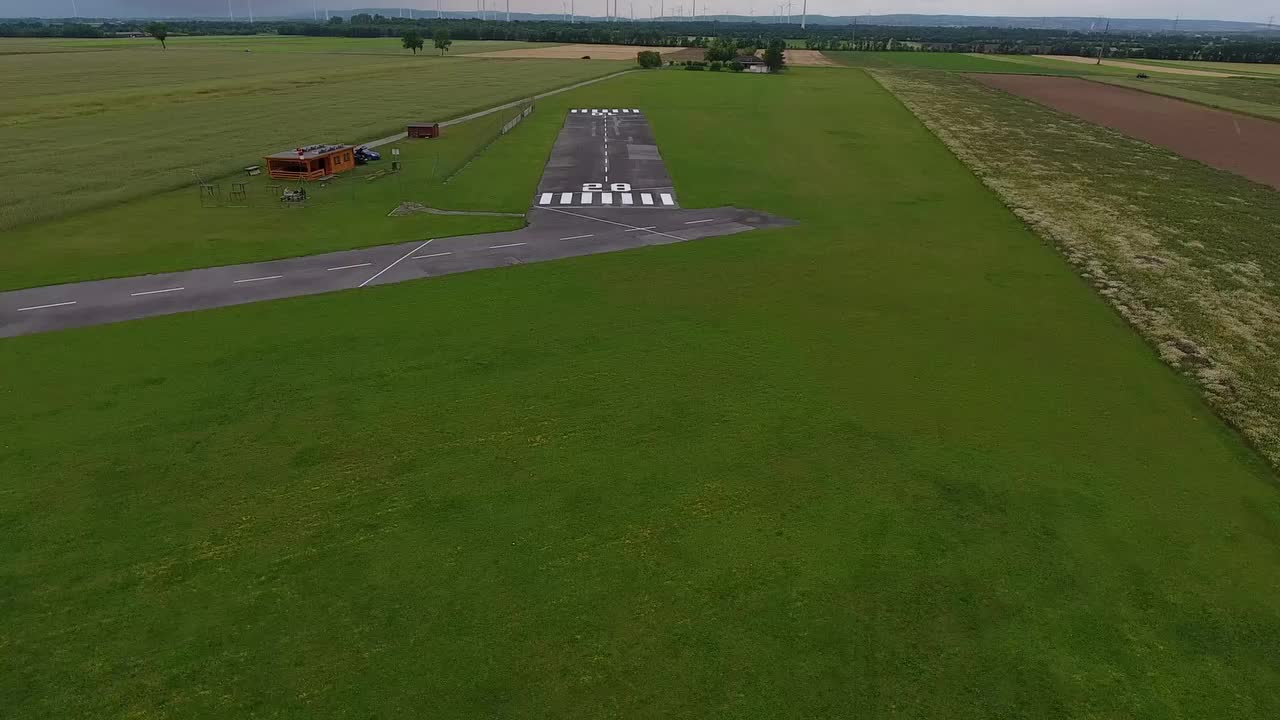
1248 10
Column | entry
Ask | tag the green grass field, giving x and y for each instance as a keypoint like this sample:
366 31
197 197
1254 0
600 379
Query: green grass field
897 461
1259 69
148 116
178 230
251 43
959 62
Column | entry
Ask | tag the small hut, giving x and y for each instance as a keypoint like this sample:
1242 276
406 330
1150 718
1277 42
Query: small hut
423 130
314 162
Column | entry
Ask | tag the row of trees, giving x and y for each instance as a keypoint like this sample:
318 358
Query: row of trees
1169 46
412 40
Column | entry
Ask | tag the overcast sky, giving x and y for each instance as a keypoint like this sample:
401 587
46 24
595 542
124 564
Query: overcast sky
1249 10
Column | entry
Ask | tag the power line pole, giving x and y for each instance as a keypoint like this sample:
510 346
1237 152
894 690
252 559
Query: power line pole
1103 44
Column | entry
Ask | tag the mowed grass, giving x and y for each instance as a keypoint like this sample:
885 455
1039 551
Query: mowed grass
179 230
921 60
101 128
896 461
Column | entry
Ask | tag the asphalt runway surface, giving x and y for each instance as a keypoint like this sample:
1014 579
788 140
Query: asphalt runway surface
554 231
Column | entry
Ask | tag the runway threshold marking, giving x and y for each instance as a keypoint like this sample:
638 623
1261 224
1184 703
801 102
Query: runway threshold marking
50 305
258 279
397 262
348 267
157 292
611 222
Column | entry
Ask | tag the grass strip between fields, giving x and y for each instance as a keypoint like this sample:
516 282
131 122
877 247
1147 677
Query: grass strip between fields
1184 252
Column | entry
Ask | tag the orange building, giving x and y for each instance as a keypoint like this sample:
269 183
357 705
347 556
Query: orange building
314 162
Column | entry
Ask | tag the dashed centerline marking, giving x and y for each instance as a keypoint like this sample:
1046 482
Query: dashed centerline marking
156 292
348 267
423 257
695 222
498 247
578 237
268 277
50 305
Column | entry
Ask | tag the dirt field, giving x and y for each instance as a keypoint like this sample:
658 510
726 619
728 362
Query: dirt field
1139 66
809 58
573 52
1238 143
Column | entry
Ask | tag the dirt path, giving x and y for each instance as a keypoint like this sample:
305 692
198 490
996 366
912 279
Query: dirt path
1241 144
1138 66
573 52
808 58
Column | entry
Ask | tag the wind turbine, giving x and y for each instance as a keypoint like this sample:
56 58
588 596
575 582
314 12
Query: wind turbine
231 13
804 17
250 12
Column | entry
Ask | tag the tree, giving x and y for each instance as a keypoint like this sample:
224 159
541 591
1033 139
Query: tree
412 41
773 55
362 19
722 49
649 59
159 31
335 20
442 41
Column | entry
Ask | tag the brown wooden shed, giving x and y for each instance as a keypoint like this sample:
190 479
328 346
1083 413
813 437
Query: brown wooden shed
424 130
313 162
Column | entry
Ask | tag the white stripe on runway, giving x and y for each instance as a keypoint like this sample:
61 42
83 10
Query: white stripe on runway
349 267
650 227
577 237
566 198
666 199
50 305
695 222
498 247
646 199
626 198
586 198
268 277
606 198
545 199
634 110
156 292
397 262
423 257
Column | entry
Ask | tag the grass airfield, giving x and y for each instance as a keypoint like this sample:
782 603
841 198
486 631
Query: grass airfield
895 461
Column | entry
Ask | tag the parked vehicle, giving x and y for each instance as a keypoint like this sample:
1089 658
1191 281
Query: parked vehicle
364 155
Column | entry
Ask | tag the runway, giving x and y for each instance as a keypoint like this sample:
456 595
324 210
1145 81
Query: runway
555 231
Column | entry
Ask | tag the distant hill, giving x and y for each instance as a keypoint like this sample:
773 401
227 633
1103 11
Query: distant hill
147 9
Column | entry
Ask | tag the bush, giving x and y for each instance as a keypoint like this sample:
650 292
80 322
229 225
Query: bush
696 66
716 66
735 66
649 59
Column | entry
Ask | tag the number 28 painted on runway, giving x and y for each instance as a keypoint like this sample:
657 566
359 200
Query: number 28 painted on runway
598 187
